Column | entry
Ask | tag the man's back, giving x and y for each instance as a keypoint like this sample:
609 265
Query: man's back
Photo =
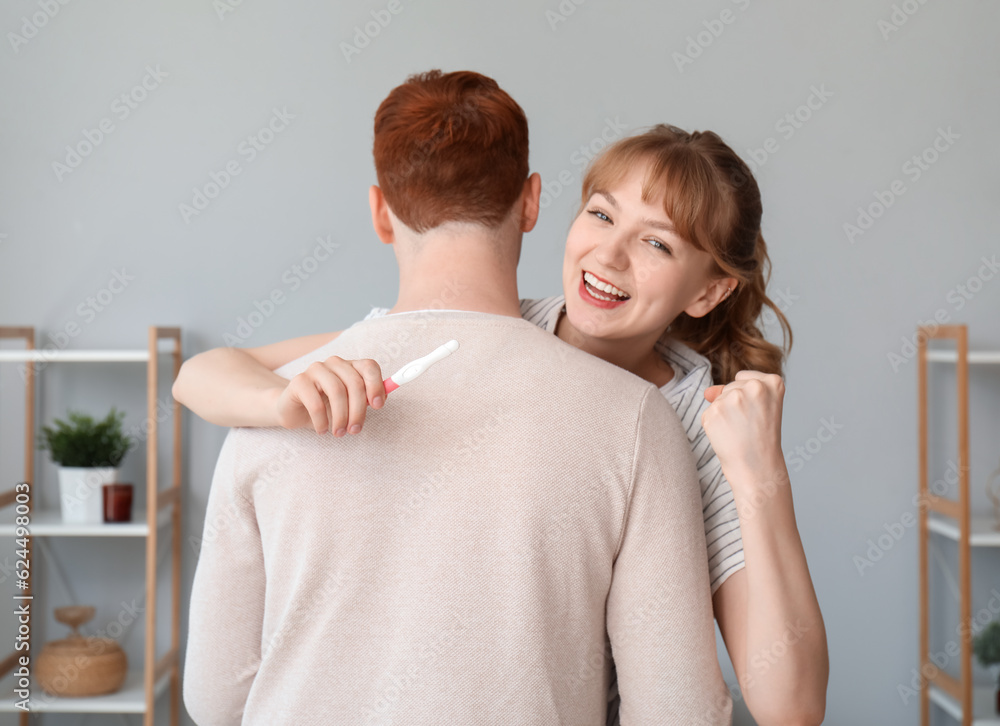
463 559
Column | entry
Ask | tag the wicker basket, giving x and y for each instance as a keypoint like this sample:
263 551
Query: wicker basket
78 665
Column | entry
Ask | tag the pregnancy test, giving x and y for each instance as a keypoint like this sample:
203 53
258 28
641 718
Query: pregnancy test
414 368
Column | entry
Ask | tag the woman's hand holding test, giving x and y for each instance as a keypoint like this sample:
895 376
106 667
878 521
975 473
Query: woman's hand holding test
332 395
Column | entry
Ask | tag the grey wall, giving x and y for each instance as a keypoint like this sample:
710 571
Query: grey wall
580 70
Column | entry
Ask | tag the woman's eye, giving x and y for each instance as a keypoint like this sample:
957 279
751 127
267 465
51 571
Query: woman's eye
600 215
659 245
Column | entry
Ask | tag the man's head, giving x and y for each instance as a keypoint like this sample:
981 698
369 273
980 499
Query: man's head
453 148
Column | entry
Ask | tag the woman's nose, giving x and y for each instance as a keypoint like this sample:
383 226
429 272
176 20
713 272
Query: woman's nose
612 252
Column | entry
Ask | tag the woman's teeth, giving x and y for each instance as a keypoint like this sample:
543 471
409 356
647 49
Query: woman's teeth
603 297
615 293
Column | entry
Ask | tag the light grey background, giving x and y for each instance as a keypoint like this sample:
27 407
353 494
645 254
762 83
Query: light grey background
578 71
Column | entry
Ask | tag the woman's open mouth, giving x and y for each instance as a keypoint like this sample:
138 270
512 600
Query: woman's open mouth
600 298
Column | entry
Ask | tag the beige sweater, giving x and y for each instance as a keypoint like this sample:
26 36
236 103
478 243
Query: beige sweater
469 557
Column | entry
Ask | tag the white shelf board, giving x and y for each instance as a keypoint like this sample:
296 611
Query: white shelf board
78 356
983 705
48 523
982 529
984 357
130 698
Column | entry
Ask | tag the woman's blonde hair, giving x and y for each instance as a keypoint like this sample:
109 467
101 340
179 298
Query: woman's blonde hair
714 203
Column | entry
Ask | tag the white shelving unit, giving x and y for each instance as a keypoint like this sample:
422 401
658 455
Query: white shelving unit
983 700
968 705
130 698
145 684
48 523
982 530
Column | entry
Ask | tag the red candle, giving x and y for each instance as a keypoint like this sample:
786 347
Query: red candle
118 502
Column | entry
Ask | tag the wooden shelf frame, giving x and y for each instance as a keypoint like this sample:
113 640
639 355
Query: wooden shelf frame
956 523
160 503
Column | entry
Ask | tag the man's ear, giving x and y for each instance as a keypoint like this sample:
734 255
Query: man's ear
711 296
380 215
530 202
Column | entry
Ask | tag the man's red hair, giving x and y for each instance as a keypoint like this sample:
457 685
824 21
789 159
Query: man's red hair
450 147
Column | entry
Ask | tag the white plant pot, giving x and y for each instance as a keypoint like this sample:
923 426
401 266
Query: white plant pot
81 495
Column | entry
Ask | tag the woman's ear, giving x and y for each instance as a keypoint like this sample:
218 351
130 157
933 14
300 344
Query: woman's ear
717 290
530 202
380 215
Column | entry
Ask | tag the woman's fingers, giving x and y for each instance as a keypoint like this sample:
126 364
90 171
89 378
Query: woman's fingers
333 395
371 372
712 392
772 380
345 389
362 381
304 404
752 395
753 382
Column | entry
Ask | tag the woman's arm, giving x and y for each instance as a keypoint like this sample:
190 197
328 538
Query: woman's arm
237 386
767 612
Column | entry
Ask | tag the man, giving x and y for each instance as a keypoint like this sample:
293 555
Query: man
510 519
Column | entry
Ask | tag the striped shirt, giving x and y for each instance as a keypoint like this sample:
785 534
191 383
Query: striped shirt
685 393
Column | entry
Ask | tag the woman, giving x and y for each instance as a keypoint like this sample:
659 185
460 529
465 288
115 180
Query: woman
664 275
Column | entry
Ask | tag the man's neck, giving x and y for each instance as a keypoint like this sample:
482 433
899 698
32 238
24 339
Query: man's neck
456 293
457 275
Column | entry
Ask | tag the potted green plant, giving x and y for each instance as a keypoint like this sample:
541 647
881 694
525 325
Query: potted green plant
87 453
986 646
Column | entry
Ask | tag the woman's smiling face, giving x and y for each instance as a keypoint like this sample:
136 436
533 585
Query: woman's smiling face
626 242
